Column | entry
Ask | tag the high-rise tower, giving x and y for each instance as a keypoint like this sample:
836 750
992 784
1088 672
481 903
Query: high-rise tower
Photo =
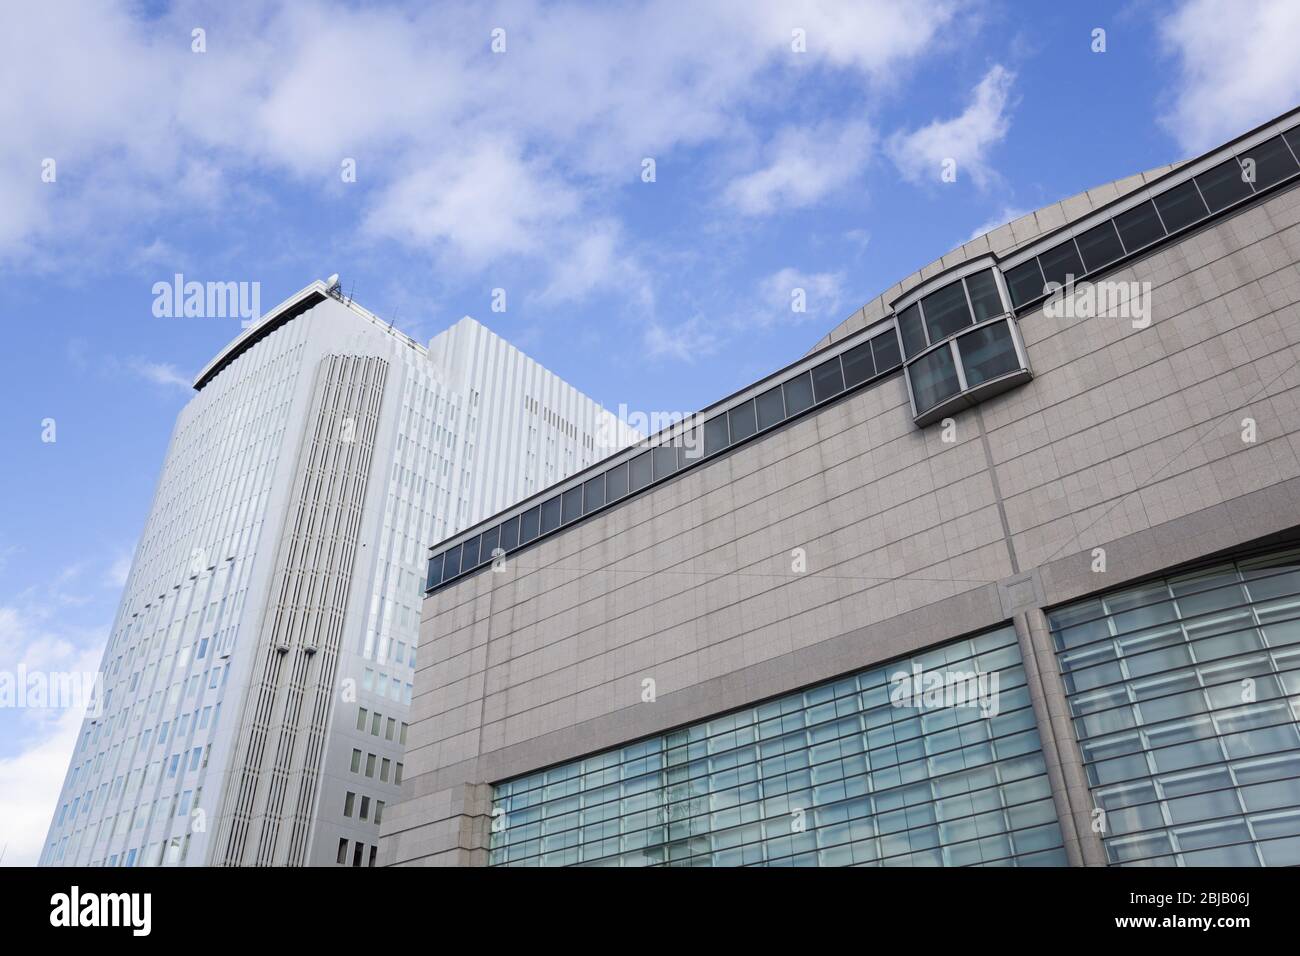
258 675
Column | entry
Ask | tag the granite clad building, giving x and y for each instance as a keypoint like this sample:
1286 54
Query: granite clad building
985 578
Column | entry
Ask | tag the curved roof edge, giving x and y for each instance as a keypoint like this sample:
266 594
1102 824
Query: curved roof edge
301 301
1004 240
290 308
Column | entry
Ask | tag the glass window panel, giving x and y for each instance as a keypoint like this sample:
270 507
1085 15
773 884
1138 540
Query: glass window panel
529 522
665 460
1100 246
934 379
828 380
1025 282
798 394
716 434
550 515
616 484
593 493
1139 226
640 471
984 296
1272 577
571 505
692 446
945 311
435 572
987 352
469 555
742 421
1181 206
858 365
618 801
909 326
771 407
1061 262
1223 185
490 544
451 564
1292 137
1175 758
884 348
510 533
1273 162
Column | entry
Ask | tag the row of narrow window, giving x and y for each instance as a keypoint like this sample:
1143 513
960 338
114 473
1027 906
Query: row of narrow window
358 853
1172 211
872 358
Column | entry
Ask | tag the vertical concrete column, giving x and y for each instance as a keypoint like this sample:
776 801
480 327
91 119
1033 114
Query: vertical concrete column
474 803
1065 772
446 827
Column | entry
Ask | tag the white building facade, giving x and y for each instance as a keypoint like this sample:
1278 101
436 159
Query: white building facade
258 674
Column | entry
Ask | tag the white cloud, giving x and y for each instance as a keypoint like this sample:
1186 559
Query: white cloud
30 782
1001 218
1238 67
118 571
31 634
482 203
858 237
158 252
105 363
593 258
770 303
160 373
472 156
872 37
802 167
920 155
822 295
686 341
39 741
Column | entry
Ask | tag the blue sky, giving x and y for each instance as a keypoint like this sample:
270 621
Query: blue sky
520 170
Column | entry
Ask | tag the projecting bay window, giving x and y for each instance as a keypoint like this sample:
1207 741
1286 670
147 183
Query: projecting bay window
962 344
934 378
988 353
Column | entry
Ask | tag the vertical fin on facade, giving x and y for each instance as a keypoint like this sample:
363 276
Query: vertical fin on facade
287 710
